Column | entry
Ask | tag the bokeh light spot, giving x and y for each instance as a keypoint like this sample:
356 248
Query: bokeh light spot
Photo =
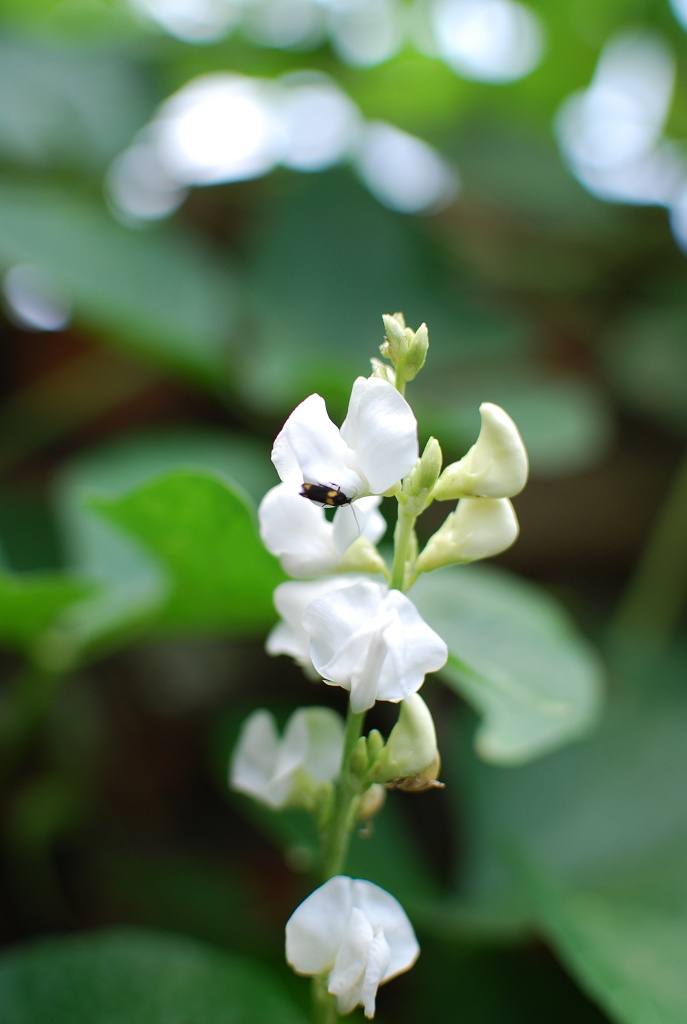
403 172
33 300
488 40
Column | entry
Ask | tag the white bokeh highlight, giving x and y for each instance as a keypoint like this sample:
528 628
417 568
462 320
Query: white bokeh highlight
494 41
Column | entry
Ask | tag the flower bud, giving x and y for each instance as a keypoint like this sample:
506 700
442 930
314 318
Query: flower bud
375 744
382 371
395 346
495 467
479 528
412 745
417 352
357 763
423 476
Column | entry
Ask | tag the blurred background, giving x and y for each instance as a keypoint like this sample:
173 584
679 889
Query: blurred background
205 207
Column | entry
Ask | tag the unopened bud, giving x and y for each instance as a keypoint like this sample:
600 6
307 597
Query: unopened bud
412 744
495 467
418 485
357 763
382 371
479 528
395 346
417 352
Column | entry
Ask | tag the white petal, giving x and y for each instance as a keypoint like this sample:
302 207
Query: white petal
309 447
382 430
346 978
298 533
385 912
495 467
378 958
254 761
371 641
291 599
361 519
416 648
325 743
315 929
483 527
340 624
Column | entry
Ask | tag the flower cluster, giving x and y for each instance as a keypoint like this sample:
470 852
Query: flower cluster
345 617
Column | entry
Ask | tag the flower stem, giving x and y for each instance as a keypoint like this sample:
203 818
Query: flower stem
323 1005
338 834
402 548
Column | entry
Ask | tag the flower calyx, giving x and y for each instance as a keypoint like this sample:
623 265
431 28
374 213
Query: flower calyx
419 484
405 348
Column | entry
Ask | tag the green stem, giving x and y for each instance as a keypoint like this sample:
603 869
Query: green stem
652 603
323 1005
402 547
338 835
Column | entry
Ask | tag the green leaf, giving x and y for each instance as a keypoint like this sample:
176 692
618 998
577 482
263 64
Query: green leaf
131 976
133 585
625 943
604 814
60 95
156 292
204 538
516 657
32 603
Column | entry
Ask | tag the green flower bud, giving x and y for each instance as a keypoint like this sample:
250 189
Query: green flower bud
375 744
417 352
358 760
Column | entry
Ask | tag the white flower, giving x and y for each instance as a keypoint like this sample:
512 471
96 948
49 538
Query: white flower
479 528
355 931
287 771
291 599
495 467
412 745
371 641
376 446
305 541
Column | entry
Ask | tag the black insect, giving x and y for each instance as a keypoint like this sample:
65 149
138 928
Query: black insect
329 495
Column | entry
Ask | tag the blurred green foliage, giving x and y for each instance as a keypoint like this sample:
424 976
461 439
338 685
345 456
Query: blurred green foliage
134 592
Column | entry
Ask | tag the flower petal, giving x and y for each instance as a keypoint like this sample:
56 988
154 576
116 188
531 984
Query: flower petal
382 430
298 533
358 932
385 912
346 978
255 755
378 957
315 929
309 447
